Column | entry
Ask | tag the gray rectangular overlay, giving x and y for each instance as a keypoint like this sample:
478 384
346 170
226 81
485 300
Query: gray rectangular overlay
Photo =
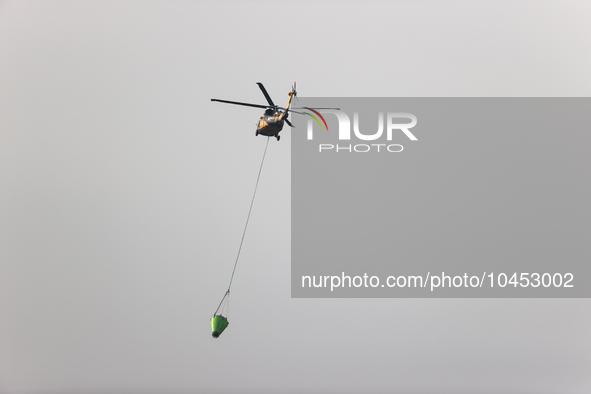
476 197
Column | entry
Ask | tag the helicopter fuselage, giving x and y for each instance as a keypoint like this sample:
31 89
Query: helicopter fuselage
271 124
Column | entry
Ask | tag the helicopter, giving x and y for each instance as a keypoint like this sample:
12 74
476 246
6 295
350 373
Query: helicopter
272 121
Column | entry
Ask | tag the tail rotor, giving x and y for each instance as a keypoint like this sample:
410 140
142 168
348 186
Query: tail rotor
295 93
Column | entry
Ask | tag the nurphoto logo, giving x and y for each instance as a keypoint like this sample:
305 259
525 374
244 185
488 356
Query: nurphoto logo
396 122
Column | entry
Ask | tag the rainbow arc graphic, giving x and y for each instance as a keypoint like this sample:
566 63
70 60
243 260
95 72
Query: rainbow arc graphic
316 119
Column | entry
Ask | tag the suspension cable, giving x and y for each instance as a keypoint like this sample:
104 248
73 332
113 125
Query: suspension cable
248 217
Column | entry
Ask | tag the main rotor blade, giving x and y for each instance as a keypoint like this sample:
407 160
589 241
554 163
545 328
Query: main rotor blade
289 123
296 112
239 103
266 94
318 108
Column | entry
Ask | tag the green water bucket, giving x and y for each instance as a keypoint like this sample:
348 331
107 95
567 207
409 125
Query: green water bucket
218 325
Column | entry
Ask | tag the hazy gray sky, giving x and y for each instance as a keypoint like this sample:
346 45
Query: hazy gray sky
124 190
